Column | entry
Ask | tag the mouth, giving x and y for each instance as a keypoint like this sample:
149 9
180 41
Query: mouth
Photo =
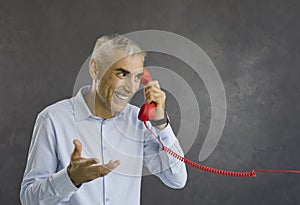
121 97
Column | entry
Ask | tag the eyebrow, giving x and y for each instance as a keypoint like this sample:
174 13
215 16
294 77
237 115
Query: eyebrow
122 70
126 71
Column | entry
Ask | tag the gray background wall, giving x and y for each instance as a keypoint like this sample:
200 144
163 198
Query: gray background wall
254 45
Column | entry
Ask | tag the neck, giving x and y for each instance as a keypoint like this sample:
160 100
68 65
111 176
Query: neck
96 106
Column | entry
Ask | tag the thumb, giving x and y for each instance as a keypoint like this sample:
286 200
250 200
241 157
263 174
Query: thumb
77 149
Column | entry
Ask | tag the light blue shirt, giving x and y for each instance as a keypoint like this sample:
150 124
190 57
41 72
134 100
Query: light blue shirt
122 137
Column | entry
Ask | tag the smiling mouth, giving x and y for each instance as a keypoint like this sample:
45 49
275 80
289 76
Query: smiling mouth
121 97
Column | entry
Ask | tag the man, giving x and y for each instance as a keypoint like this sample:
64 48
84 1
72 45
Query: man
110 145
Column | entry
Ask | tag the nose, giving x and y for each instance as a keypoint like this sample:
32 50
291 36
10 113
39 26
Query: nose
131 85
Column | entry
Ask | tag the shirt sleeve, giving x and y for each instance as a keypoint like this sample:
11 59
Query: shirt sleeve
42 183
170 170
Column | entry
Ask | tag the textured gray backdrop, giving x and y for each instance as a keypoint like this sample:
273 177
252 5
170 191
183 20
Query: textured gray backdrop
254 45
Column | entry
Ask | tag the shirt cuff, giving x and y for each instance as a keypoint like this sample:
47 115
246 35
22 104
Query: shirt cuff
166 135
62 182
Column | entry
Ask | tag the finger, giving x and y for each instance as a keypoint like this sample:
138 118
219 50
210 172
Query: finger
152 98
155 93
99 170
152 89
155 97
113 164
153 83
77 149
85 161
105 168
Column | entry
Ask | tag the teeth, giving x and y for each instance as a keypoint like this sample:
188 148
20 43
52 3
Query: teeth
122 97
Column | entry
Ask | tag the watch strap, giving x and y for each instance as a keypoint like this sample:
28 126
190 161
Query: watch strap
156 123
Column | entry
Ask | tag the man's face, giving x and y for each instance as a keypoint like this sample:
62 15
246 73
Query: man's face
120 82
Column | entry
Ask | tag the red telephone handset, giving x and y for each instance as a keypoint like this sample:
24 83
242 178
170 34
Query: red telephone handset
148 111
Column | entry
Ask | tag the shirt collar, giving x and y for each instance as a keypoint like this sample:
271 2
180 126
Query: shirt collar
81 110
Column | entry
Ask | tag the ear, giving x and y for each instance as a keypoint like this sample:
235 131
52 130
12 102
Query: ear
94 71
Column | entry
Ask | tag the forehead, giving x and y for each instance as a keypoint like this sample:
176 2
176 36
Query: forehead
131 63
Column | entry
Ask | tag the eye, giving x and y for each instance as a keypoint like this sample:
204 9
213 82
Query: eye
137 77
122 74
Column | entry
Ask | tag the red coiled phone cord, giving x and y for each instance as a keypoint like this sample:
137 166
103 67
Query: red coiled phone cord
213 170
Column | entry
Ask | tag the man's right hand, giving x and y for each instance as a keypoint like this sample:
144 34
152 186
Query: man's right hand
82 170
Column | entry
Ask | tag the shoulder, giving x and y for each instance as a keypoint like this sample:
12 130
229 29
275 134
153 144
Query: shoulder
58 109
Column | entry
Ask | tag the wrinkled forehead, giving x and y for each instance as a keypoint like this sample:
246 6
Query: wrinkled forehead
118 58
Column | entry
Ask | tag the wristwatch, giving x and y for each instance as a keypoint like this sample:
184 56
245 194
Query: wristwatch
156 123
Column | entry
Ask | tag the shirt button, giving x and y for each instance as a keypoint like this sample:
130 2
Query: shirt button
106 199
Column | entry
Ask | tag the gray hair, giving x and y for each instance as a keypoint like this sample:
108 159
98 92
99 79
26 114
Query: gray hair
106 47
116 41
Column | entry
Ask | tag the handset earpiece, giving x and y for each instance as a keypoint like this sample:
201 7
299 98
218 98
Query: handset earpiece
147 111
